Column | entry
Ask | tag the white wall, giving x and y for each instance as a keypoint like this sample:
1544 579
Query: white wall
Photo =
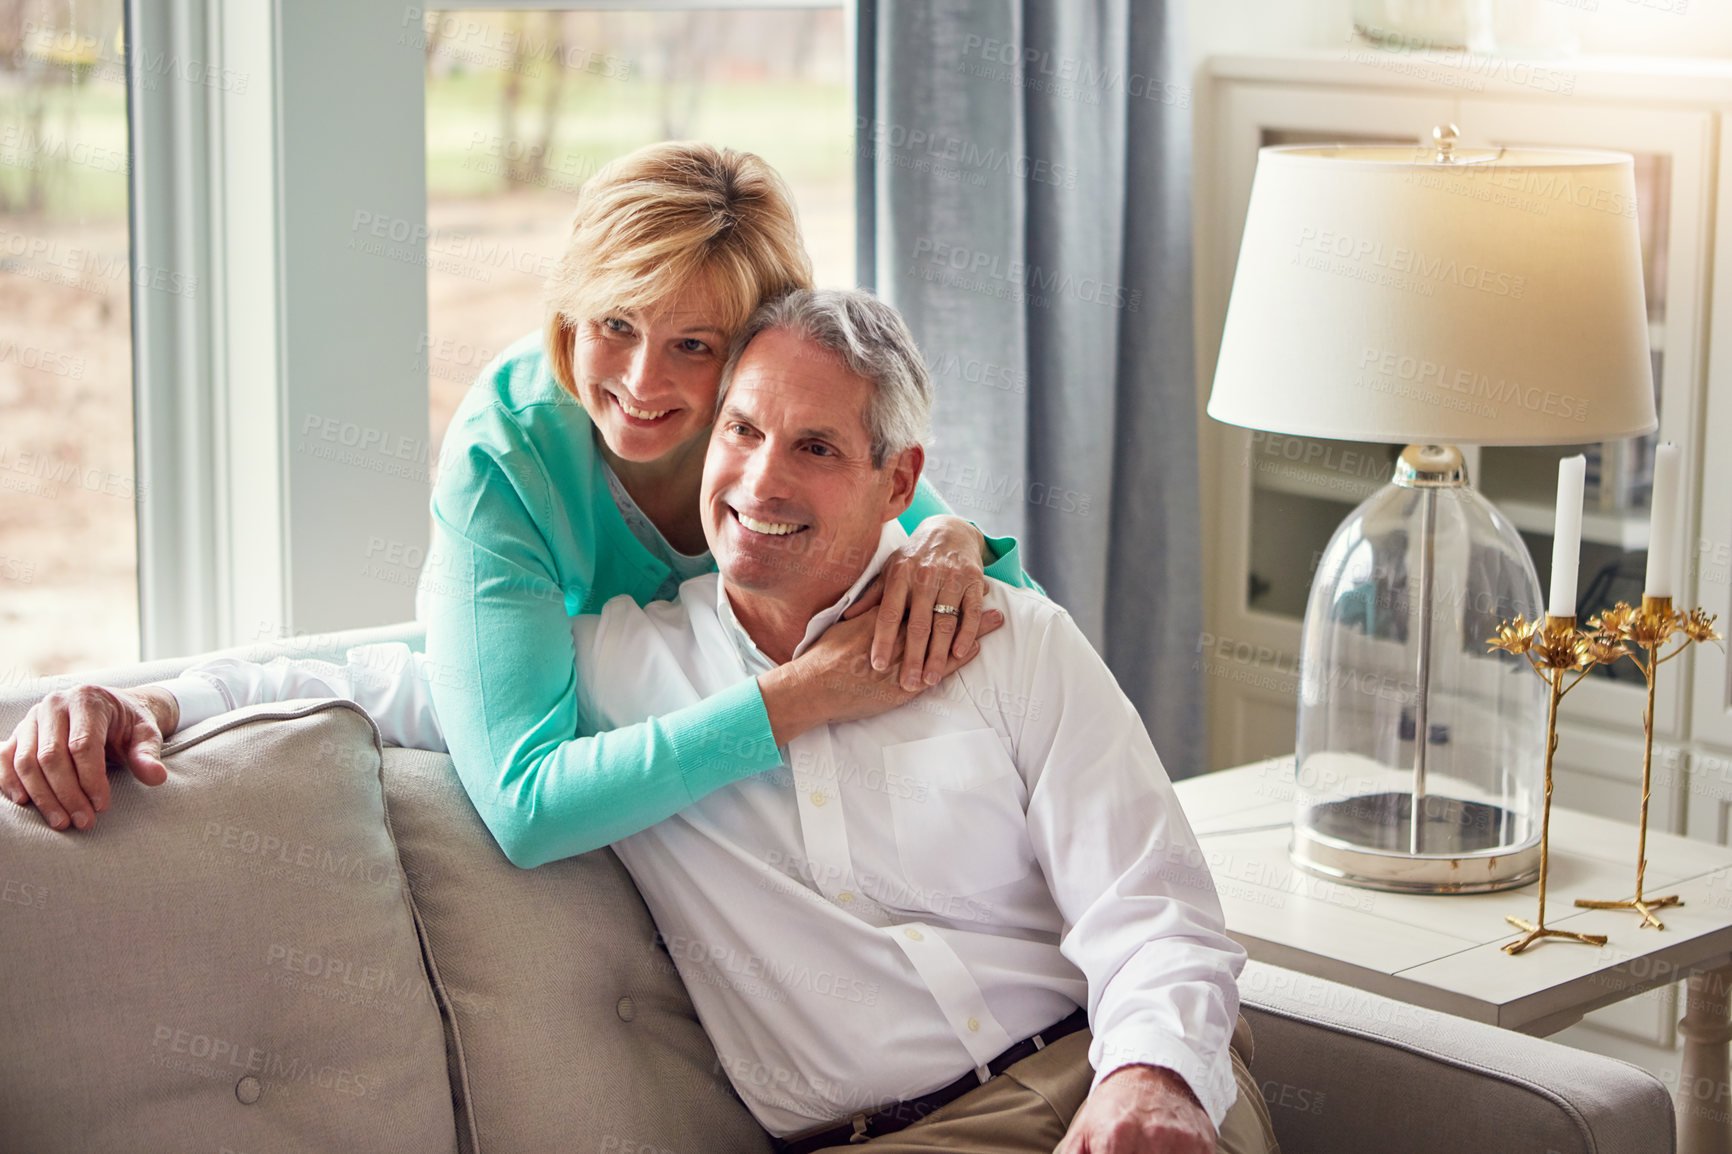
1227 26
1699 28
1654 27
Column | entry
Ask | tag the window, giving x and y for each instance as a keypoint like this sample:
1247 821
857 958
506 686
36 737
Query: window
289 414
68 514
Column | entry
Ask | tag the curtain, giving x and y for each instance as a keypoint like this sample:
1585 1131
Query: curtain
1031 163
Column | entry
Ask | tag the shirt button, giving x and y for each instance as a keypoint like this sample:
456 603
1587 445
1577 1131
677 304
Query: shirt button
913 935
844 897
818 798
974 1025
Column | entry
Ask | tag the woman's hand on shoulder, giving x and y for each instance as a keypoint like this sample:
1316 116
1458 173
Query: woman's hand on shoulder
835 680
57 757
940 567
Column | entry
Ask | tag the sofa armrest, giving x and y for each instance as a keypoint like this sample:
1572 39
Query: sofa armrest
1343 1069
17 698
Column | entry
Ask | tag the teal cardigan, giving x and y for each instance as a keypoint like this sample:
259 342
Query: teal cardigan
526 535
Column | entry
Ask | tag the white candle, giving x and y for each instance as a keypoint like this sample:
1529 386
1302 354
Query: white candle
1567 536
1663 524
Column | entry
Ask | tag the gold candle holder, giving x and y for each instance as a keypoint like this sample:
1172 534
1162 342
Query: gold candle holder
1637 632
1555 648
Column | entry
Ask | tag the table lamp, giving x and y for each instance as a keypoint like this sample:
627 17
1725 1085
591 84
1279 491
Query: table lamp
1430 297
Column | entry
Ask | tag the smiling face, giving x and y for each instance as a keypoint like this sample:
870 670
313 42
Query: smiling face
792 505
648 376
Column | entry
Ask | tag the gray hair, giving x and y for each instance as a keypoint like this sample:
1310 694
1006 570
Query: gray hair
873 342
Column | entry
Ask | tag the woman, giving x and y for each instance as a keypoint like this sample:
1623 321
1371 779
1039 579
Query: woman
545 508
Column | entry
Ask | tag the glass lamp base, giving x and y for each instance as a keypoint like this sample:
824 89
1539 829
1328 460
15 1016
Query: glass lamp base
1419 757
1364 841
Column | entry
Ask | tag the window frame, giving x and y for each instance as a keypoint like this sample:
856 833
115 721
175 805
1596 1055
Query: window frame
249 528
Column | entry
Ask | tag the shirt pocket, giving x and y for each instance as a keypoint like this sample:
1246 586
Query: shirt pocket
958 812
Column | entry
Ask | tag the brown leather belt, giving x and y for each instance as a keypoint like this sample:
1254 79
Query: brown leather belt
862 1127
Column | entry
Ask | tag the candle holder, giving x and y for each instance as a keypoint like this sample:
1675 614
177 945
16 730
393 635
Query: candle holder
1555 648
1638 632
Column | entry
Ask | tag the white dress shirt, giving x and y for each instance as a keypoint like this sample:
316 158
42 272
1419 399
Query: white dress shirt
910 894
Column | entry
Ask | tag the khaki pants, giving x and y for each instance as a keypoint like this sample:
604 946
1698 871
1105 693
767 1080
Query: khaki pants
1028 1108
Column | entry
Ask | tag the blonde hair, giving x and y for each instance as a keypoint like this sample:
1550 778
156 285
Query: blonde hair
668 217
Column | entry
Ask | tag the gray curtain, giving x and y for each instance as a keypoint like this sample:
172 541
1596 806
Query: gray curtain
1032 221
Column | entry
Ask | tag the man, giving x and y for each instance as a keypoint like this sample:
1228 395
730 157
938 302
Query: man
868 934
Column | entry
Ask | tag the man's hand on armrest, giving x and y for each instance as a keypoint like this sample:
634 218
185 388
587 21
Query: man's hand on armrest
1140 1110
57 758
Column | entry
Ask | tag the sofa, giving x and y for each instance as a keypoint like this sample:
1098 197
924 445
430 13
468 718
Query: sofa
304 941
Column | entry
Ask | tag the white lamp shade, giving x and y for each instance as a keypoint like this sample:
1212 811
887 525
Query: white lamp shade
1493 300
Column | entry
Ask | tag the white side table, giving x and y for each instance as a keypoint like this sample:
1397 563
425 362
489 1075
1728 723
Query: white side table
1444 952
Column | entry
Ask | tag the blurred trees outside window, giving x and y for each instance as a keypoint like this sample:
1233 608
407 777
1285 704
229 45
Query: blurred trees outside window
68 537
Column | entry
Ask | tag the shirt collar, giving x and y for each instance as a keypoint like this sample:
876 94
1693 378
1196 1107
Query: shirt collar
890 538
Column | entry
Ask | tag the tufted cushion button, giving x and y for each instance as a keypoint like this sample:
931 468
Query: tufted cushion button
626 1010
247 1090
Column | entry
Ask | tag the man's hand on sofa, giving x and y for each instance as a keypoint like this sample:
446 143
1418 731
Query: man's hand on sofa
57 758
1140 1110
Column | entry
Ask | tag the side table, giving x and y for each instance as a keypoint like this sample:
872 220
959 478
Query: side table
1444 952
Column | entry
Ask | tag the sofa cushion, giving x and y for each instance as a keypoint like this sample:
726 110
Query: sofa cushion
1343 1069
570 1028
226 961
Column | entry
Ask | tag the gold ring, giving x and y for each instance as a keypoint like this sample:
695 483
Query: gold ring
947 610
